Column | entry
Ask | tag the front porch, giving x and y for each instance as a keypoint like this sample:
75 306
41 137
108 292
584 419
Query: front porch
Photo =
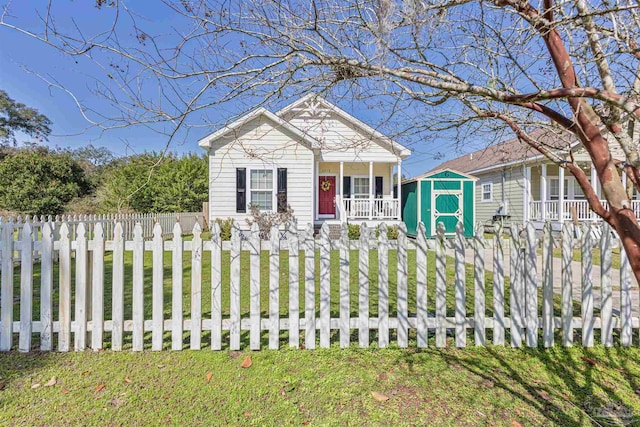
357 192
547 200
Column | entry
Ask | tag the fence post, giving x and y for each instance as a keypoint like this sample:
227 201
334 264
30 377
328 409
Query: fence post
403 294
441 290
64 338
383 287
498 287
157 293
6 309
118 288
254 288
176 290
309 289
274 289
516 298
547 286
479 294
422 315
605 286
567 284
587 287
531 286
363 288
46 288
216 287
97 294
26 288
625 299
345 293
294 285
196 284
460 294
82 287
234 299
138 289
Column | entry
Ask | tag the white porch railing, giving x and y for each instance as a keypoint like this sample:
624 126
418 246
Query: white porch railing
570 208
370 208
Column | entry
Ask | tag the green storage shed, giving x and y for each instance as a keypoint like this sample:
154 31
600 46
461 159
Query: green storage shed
446 196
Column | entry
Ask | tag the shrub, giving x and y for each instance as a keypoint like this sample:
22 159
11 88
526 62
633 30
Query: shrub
354 231
225 228
267 220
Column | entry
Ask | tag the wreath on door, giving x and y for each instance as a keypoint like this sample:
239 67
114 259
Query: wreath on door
325 185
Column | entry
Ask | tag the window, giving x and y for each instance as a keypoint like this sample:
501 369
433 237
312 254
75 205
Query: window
360 188
261 189
554 189
487 192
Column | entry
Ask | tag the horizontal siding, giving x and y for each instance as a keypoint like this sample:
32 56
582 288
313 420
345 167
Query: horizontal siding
514 184
259 145
341 141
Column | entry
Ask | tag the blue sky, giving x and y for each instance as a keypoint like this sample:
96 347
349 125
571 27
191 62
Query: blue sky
22 58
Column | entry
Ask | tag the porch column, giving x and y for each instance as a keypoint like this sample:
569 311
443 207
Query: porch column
340 183
399 179
371 189
543 193
594 185
316 171
561 194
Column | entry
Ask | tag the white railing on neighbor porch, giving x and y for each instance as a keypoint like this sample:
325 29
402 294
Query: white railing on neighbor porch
353 208
571 209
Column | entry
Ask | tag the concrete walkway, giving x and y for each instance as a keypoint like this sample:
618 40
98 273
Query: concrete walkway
577 277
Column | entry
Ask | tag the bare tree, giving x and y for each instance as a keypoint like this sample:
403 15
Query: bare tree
454 66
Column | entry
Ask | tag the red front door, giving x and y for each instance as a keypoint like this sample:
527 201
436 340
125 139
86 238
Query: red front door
327 195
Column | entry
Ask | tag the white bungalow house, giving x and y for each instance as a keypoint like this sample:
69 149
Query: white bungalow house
311 155
517 184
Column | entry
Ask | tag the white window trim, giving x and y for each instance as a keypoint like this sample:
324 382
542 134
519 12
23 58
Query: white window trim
353 186
482 199
274 184
570 190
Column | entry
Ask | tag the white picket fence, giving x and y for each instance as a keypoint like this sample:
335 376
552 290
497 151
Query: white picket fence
86 326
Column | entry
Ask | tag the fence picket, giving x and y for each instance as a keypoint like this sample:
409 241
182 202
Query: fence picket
46 288
97 283
294 285
626 319
422 315
6 304
26 288
587 286
547 286
606 303
64 337
567 284
383 287
254 288
117 291
345 329
498 287
516 297
309 289
479 294
274 289
325 284
157 291
460 297
234 298
177 290
531 286
82 288
363 287
138 289
441 290
196 285
216 287
403 293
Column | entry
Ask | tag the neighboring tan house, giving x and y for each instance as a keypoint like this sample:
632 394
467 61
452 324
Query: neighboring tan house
516 183
312 156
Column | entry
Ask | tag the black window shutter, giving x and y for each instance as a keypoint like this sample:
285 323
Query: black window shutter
378 187
346 186
241 190
282 189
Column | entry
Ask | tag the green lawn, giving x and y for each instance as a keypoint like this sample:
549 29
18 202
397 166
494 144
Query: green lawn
474 386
